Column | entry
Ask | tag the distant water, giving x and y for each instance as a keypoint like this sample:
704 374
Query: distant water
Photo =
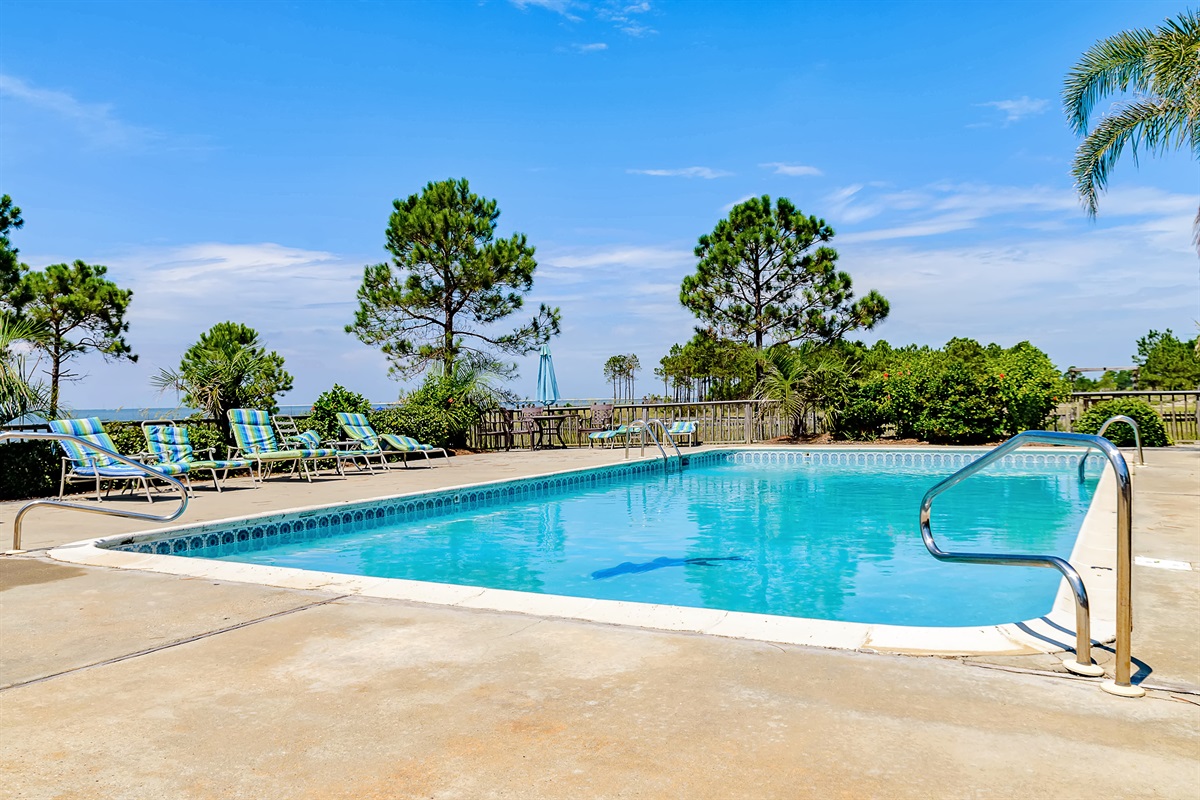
137 414
182 412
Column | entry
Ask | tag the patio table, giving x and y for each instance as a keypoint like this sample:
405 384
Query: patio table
549 426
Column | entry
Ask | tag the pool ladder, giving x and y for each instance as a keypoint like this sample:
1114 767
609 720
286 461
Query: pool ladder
647 426
97 509
1082 662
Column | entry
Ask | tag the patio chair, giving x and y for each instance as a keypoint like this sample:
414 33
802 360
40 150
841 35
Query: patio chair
168 442
601 420
683 427
359 428
524 424
255 442
497 426
85 464
292 436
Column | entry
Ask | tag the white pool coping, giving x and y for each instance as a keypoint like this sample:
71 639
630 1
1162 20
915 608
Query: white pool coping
1094 556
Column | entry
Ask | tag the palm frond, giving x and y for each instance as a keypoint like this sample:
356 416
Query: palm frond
1115 64
1153 124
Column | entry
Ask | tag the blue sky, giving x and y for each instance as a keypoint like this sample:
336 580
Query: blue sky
238 161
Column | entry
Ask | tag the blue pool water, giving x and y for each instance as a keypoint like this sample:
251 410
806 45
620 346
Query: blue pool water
836 542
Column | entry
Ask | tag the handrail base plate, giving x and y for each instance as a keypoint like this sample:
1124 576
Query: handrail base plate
1114 688
1090 670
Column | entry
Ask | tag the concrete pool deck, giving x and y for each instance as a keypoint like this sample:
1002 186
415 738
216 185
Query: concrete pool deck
121 683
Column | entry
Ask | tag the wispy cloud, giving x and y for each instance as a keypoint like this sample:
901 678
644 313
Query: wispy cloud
1017 109
594 47
97 122
564 7
791 170
708 173
625 16
725 209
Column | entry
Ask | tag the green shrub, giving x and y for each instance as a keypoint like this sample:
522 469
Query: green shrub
963 393
416 421
961 407
28 469
862 417
1150 424
324 412
204 435
127 436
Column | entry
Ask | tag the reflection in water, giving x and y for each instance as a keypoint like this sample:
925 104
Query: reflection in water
629 568
805 540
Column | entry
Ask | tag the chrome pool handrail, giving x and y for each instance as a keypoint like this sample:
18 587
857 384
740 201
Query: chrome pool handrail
646 426
1137 439
1120 685
114 512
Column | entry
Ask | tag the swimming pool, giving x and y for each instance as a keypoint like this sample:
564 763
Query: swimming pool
807 534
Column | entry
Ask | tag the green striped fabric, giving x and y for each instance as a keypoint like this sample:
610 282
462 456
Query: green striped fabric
681 428
90 462
91 429
252 431
406 444
358 428
610 434
310 440
171 443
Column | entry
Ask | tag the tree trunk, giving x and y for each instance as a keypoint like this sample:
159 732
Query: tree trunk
55 372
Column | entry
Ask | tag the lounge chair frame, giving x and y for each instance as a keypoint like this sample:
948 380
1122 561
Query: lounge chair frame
81 466
190 458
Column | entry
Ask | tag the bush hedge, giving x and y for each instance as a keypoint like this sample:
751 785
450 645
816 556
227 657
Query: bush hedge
963 393
28 469
323 418
1150 424
415 421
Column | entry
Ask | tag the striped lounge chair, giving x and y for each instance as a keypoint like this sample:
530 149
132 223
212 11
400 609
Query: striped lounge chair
255 442
292 436
610 437
168 442
358 428
86 464
683 427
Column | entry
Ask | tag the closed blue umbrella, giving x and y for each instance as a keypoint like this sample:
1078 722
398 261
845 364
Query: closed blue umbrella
547 387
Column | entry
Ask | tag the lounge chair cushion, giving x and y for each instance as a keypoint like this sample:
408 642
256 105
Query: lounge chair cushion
125 471
405 443
91 429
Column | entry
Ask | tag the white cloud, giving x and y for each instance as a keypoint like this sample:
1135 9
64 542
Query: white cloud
1017 109
298 300
97 122
624 16
707 173
594 47
563 7
598 267
791 170
725 209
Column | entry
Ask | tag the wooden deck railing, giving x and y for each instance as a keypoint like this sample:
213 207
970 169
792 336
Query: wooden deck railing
1180 410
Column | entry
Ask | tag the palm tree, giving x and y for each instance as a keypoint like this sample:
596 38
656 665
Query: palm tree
806 384
1159 70
20 394
227 369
